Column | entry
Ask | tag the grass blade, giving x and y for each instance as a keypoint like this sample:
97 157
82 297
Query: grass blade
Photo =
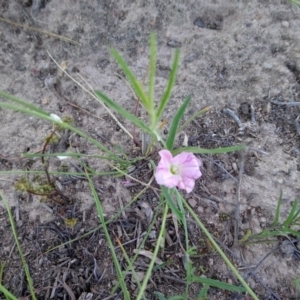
295 2
171 203
167 93
46 116
22 102
218 284
195 115
108 239
152 70
7 293
175 123
137 86
203 293
15 235
124 113
291 216
277 213
155 252
197 150
219 250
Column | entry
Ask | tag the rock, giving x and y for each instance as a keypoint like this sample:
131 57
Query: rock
191 57
267 66
198 22
285 24
200 209
174 44
192 202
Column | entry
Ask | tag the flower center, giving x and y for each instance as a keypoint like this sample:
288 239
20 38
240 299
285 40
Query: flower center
174 169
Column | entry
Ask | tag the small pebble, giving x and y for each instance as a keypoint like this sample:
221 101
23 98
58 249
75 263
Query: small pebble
174 44
245 108
263 220
19 223
192 202
285 24
191 57
200 209
267 66
198 22
21 68
234 167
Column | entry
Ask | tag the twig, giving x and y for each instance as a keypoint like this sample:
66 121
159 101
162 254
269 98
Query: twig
252 113
260 151
24 26
182 281
297 125
256 277
92 94
285 103
48 139
72 104
233 115
207 157
68 289
238 202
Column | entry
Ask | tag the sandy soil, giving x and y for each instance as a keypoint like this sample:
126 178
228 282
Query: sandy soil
237 55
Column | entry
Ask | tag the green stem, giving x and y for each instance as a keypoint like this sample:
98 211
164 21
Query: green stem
151 265
15 235
222 254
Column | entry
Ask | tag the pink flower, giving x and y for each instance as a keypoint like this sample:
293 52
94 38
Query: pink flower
181 170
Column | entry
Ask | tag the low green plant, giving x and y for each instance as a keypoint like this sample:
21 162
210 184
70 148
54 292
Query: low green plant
170 199
295 2
289 226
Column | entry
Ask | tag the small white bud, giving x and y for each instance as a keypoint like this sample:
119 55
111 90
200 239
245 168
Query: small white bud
56 118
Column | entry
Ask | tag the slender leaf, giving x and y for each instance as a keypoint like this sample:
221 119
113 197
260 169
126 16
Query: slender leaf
108 239
124 113
15 235
141 246
46 116
197 150
295 2
277 213
166 96
267 234
160 296
290 218
22 102
170 202
137 86
219 250
175 123
155 253
130 266
218 284
2 266
203 293
57 173
152 70
195 115
295 217
7 293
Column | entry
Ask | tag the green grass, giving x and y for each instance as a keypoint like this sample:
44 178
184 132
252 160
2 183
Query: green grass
289 226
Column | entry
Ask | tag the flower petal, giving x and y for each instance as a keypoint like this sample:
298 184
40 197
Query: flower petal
165 157
189 170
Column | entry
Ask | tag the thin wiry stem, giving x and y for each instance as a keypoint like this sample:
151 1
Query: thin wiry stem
92 94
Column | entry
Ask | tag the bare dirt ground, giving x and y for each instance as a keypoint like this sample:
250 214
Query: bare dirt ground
237 55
